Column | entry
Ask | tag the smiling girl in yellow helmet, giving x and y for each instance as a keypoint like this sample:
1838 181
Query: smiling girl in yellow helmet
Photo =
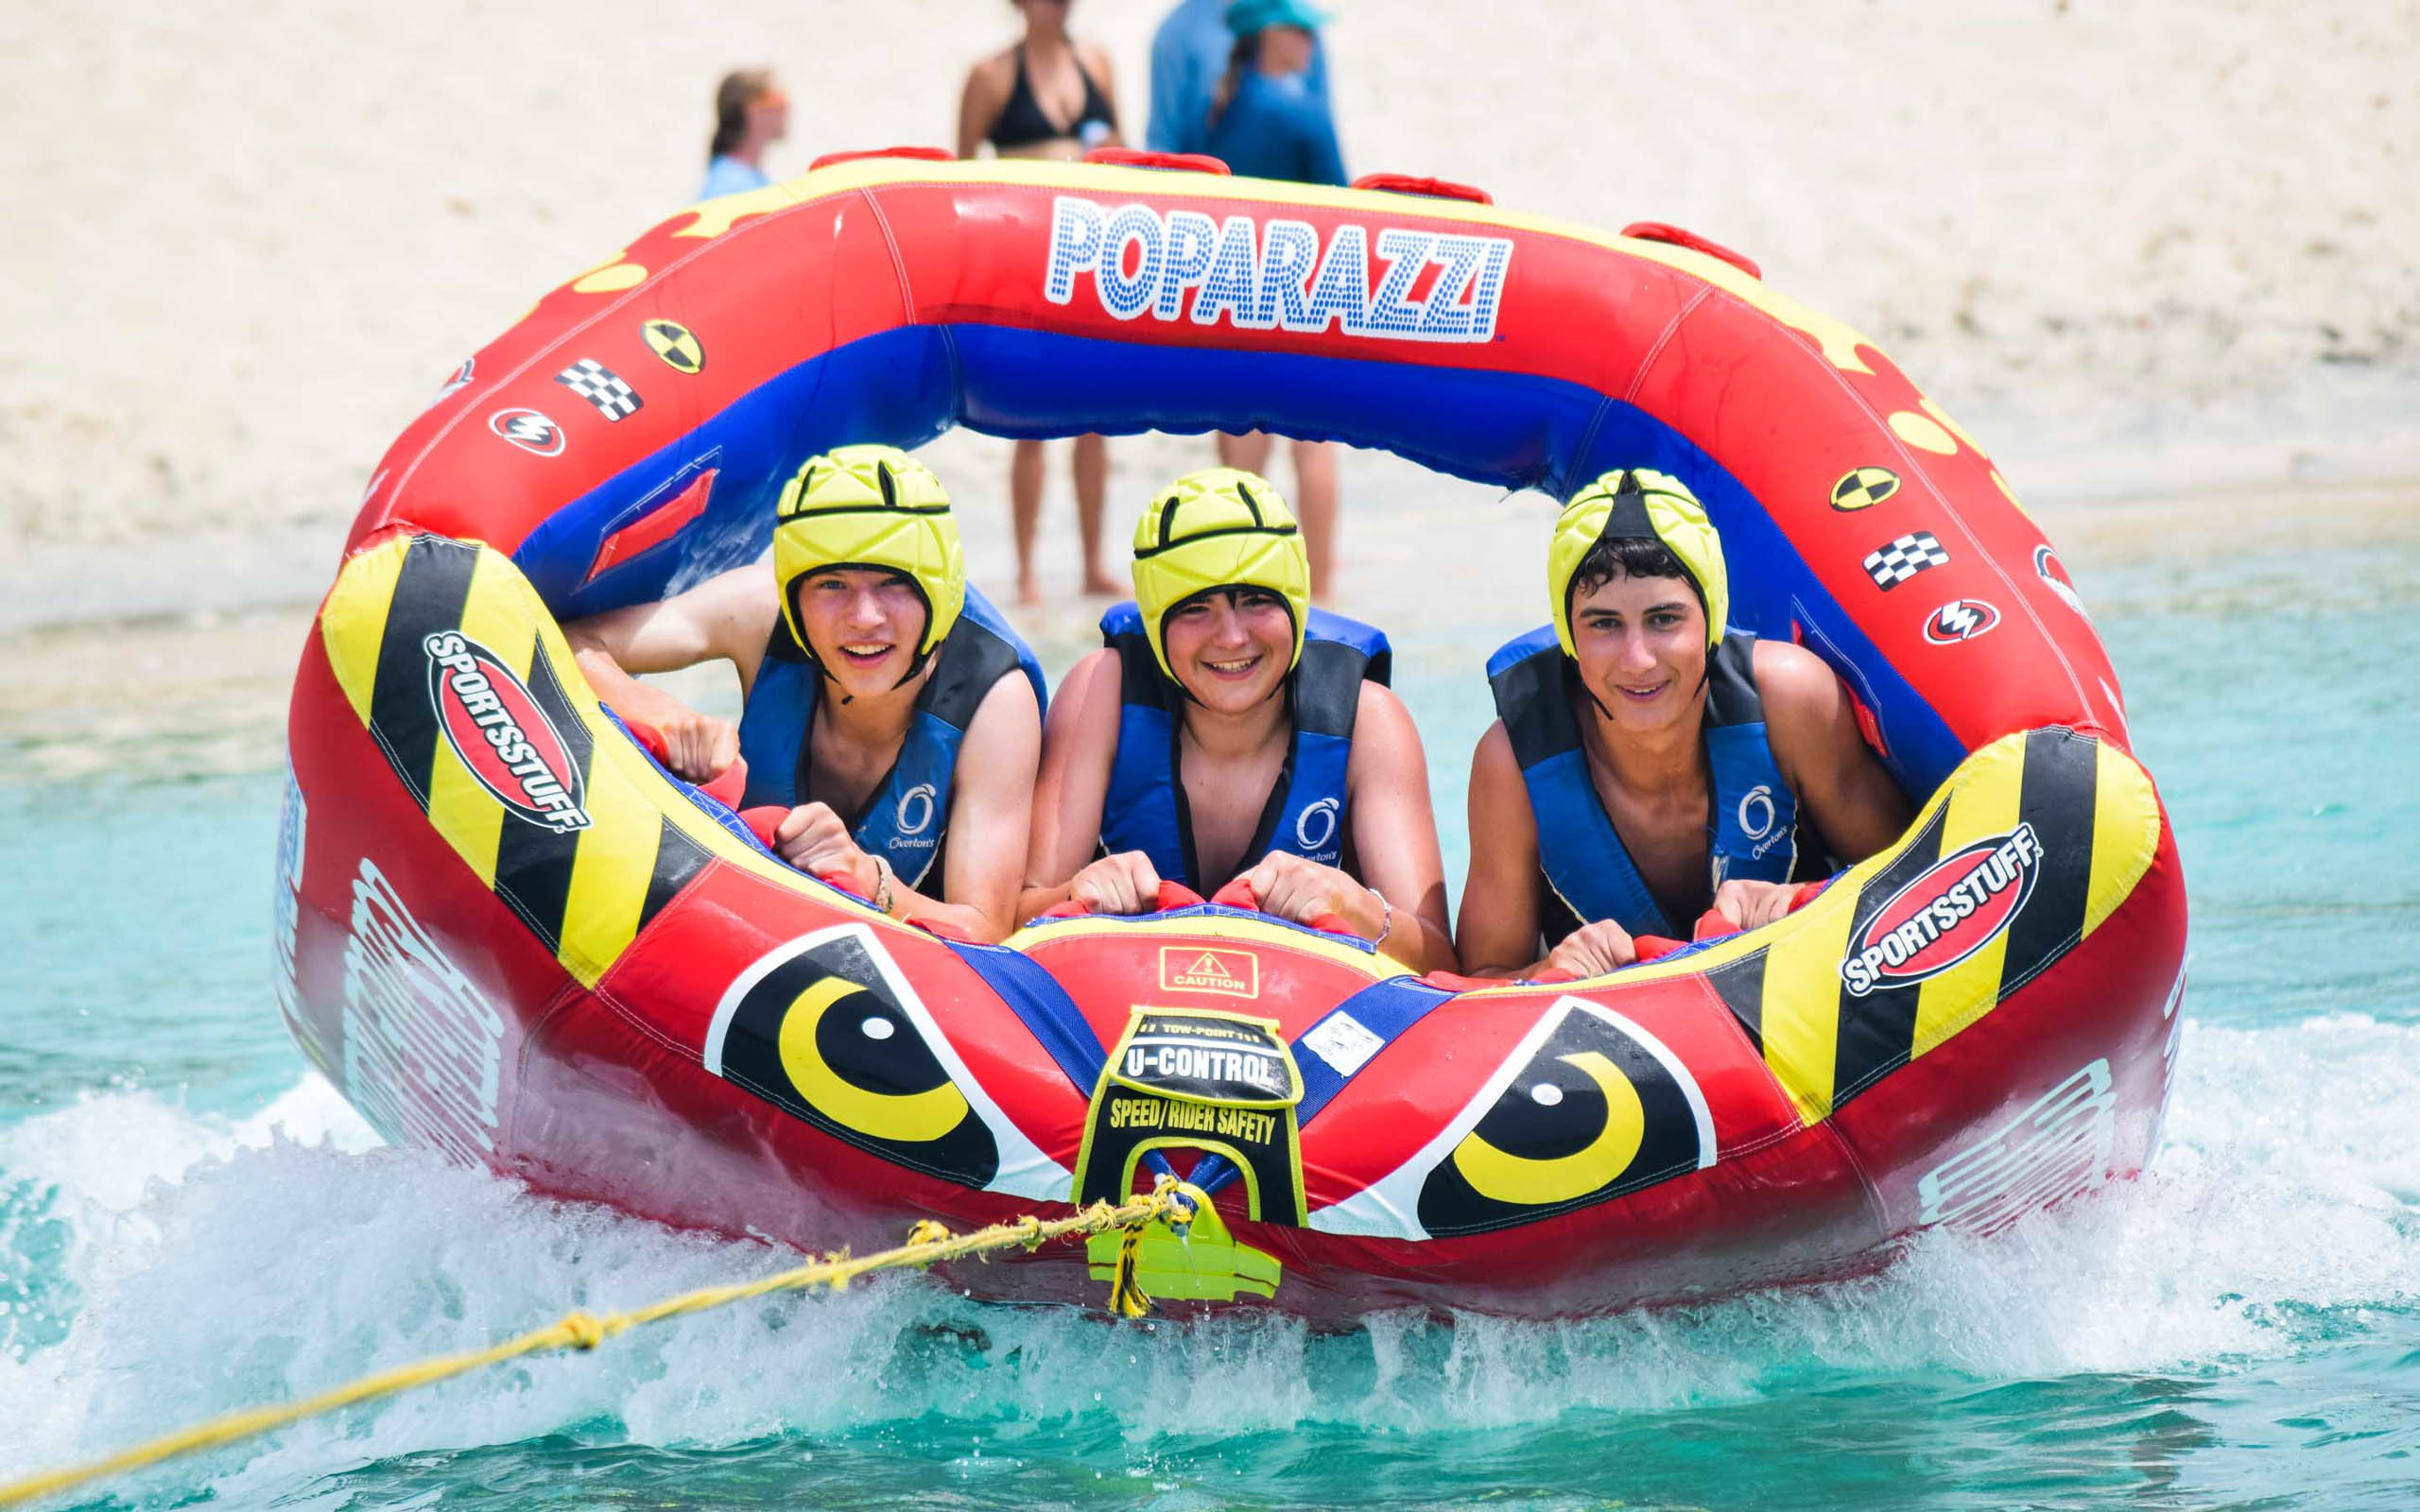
1649 765
881 709
1229 730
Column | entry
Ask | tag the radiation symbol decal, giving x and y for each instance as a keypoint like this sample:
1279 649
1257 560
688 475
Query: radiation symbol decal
1589 1106
675 344
826 1028
1864 488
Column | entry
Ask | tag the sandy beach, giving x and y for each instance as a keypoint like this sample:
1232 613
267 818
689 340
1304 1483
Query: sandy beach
2134 248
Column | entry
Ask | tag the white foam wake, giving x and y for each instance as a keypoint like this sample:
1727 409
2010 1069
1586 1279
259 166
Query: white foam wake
217 1266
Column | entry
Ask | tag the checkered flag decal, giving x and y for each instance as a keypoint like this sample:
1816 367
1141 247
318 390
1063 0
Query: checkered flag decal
1904 557
595 382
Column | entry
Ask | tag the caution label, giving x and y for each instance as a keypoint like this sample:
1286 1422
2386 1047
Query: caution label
1193 968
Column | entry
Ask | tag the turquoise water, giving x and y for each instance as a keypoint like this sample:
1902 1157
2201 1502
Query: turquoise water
188 1224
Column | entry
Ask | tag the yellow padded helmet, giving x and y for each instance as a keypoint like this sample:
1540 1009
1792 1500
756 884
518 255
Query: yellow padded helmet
870 507
1217 528
1638 504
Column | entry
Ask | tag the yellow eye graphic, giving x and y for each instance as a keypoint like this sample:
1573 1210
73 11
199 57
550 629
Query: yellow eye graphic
1530 1181
907 1118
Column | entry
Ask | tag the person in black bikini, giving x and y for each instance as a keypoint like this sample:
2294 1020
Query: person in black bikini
1049 97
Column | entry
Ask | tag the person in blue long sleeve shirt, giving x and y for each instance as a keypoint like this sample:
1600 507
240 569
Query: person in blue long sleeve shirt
1266 123
1269 125
1190 56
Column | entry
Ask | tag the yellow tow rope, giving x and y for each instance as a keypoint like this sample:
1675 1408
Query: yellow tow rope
928 1244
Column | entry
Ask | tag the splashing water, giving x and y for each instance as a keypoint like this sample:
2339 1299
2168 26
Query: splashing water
189 1225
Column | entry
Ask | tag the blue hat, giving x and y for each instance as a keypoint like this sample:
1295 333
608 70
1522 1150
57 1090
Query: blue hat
1247 18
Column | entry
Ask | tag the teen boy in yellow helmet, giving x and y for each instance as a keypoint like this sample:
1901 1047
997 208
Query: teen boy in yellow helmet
881 706
1229 730
1649 765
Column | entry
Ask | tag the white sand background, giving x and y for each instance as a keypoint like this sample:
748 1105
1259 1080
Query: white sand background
2132 247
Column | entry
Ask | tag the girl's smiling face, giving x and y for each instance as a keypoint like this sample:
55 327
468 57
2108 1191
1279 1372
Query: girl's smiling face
1231 648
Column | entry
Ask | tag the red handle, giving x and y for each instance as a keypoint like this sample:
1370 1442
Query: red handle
1655 231
1177 162
763 821
845 883
728 786
725 787
1237 894
1172 896
918 154
1411 183
1650 947
1175 895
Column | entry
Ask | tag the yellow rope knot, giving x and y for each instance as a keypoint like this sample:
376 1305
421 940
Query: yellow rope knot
928 1231
585 1331
1029 1232
1169 1203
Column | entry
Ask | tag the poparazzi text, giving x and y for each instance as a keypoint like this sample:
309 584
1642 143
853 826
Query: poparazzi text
1276 274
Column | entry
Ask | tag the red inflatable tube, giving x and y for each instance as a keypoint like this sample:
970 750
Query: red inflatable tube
515 941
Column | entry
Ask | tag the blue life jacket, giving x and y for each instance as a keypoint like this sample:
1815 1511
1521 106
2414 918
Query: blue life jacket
1752 828
905 817
1144 809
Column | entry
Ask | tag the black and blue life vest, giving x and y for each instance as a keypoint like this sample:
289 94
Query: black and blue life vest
1753 826
907 815
1144 809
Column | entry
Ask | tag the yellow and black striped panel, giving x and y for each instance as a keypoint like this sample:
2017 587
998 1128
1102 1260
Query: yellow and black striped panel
585 892
2088 820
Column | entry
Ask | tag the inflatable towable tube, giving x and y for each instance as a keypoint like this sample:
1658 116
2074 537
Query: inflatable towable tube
508 933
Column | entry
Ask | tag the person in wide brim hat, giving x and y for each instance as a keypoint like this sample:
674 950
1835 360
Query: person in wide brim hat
1247 18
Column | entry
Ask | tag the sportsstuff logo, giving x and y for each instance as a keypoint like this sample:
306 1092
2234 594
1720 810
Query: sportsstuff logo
1961 905
503 739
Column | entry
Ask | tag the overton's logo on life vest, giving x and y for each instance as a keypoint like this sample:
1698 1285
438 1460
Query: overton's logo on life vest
503 739
1960 904
1757 814
1315 827
914 815
1267 275
1194 968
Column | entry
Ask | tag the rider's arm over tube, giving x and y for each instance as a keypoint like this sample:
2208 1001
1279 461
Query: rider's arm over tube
728 616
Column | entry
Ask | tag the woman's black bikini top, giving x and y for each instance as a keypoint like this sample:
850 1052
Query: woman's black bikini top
1022 121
